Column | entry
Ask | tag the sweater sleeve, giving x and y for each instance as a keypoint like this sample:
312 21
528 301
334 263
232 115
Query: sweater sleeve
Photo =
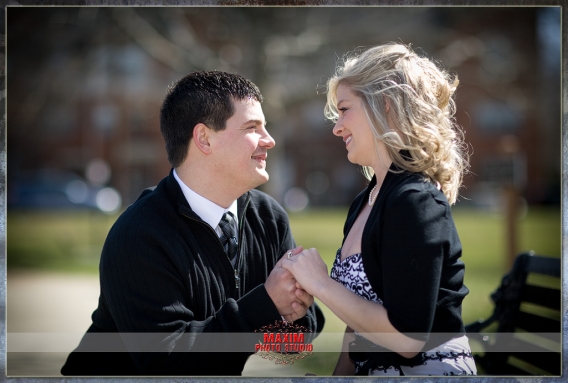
416 235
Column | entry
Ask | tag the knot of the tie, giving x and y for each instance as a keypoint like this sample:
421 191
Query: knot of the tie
229 236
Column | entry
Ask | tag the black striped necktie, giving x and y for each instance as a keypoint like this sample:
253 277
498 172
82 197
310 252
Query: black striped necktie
229 236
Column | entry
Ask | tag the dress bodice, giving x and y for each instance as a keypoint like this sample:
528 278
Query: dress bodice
351 274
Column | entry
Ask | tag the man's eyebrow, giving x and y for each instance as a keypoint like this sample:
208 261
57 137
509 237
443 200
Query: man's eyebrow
256 122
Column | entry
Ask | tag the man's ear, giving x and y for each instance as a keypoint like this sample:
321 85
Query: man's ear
201 135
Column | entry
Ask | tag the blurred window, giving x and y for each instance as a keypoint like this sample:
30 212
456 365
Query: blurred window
497 118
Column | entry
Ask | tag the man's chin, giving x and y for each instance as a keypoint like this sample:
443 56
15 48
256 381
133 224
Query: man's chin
263 177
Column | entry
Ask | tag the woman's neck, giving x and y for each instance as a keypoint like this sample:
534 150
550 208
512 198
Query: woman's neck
381 169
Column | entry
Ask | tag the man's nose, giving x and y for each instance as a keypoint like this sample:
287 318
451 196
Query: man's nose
267 141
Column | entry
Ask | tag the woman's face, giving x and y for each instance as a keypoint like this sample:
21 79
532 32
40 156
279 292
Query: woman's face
352 125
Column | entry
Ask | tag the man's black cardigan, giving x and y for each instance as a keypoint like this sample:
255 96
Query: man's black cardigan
163 270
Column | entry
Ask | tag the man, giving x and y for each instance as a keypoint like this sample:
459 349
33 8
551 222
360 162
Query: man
174 263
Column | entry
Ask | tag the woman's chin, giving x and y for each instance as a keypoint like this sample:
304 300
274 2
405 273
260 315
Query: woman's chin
352 159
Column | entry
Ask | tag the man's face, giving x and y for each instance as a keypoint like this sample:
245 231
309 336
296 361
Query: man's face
240 150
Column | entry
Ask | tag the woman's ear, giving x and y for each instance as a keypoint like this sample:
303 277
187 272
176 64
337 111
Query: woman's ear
201 135
387 105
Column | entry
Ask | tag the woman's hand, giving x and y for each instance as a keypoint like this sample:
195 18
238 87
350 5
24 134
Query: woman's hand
295 251
291 300
309 270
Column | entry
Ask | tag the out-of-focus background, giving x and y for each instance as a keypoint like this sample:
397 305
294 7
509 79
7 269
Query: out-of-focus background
85 85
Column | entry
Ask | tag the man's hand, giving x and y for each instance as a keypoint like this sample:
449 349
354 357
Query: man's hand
300 309
289 298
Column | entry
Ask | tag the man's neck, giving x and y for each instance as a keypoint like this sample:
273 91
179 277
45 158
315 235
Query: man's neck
203 183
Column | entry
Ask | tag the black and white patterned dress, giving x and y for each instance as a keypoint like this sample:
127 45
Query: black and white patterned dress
451 358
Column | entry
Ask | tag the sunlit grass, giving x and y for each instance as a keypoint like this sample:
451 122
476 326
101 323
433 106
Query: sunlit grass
63 240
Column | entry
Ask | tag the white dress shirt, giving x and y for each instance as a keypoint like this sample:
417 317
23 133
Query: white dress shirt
208 211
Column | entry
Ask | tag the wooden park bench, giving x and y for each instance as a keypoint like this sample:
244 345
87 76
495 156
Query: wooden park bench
523 335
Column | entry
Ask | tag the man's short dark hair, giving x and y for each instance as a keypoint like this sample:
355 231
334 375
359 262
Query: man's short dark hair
200 97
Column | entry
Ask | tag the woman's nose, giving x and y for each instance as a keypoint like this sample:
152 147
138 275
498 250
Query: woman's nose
338 129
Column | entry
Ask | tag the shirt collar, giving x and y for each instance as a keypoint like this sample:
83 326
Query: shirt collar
208 211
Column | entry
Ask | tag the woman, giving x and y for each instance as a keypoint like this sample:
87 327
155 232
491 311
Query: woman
397 280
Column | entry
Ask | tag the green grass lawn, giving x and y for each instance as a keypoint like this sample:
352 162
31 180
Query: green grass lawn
56 240
72 241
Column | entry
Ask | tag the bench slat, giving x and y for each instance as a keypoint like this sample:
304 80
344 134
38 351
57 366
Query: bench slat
544 265
537 324
543 296
547 361
508 369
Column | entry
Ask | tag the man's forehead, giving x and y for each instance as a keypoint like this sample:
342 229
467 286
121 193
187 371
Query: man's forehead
246 102
248 109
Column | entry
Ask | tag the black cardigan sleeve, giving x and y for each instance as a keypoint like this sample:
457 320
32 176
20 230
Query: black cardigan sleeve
415 238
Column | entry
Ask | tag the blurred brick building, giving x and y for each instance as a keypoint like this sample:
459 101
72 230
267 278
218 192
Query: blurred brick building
86 84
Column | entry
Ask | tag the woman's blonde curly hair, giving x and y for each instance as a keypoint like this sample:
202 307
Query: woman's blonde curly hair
421 108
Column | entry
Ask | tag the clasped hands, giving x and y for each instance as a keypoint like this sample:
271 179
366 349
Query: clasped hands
286 284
